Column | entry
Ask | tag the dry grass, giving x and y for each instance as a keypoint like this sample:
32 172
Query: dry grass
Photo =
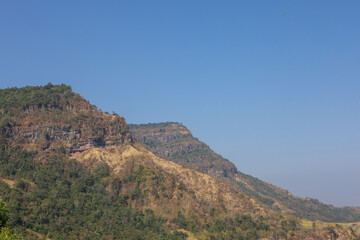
38 235
9 182
205 187
12 183
318 225
191 236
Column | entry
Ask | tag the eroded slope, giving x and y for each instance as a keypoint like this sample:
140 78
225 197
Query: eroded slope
190 190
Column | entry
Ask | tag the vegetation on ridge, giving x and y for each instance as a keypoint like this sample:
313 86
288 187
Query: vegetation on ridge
48 96
53 116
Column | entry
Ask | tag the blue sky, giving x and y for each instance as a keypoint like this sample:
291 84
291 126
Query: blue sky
271 85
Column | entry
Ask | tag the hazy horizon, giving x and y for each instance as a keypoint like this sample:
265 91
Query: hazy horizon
271 86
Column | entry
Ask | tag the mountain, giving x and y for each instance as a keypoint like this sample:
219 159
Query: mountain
174 142
48 117
69 171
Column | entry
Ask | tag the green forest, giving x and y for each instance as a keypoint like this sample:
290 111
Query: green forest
61 200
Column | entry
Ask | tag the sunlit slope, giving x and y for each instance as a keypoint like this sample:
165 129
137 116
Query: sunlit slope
184 188
171 190
174 142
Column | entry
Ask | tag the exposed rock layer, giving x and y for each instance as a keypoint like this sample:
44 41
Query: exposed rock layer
53 117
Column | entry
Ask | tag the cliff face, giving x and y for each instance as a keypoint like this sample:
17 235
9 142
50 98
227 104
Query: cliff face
75 136
55 117
160 133
175 143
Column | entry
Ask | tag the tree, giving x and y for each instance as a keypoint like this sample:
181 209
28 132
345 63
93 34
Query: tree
3 214
5 231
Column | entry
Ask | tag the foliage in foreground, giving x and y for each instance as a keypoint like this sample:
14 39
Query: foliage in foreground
61 199
5 231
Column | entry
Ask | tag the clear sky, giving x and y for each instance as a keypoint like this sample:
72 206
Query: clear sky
271 85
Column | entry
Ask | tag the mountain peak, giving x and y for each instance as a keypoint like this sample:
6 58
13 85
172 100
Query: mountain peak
160 132
53 116
33 98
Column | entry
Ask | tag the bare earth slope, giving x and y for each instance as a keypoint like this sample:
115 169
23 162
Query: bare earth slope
174 142
203 188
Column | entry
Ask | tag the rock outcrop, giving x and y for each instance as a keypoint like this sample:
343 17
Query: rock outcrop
55 117
174 142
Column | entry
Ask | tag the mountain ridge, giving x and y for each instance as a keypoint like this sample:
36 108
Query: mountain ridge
41 118
101 184
174 142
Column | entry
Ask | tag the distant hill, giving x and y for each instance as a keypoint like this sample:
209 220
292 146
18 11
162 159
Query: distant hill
69 171
174 142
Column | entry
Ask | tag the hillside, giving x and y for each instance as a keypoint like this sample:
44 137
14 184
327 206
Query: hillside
174 142
126 192
48 117
69 171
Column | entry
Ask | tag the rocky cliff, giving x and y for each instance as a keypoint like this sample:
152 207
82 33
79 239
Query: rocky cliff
174 142
55 117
